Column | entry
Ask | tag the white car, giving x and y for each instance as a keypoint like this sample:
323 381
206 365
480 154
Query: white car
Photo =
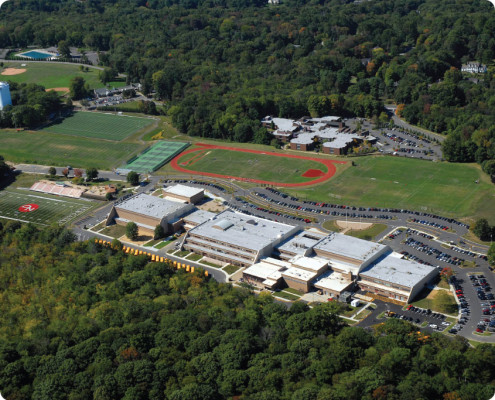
433 326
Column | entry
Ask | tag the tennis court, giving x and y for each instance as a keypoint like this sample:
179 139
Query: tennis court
155 156
39 209
99 125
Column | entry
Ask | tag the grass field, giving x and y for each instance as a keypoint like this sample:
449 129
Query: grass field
55 149
54 75
51 209
99 125
369 233
442 188
249 165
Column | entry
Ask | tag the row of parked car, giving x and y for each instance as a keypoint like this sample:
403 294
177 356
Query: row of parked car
487 302
439 255
373 209
464 305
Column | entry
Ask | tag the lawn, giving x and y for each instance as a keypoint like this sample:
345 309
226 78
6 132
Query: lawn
369 233
442 188
331 225
114 231
210 264
230 269
54 149
249 165
163 244
55 75
51 209
194 257
99 125
286 295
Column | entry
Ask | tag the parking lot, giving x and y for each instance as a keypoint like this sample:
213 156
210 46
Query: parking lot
403 143
425 319
419 246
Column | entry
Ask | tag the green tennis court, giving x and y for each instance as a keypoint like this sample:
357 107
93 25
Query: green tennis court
99 125
155 156
40 209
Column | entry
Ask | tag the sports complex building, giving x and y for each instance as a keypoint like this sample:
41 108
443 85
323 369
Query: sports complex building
277 255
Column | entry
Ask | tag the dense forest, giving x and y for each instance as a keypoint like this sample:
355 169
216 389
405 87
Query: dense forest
221 65
31 106
78 321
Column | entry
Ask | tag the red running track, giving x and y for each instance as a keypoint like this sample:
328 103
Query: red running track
330 164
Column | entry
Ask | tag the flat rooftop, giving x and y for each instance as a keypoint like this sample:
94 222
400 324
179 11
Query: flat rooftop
285 124
304 138
309 263
183 190
349 246
266 270
152 206
299 274
199 216
301 243
397 270
242 230
333 281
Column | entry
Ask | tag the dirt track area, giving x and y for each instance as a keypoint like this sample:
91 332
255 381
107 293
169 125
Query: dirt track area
13 71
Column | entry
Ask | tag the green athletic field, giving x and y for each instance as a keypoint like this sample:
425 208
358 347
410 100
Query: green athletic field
52 209
250 165
55 75
156 156
55 149
99 125
442 188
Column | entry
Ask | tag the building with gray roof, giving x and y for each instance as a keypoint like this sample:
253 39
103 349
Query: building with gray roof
349 254
396 278
237 239
148 212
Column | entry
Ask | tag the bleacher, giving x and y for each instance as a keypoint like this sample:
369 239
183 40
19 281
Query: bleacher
57 189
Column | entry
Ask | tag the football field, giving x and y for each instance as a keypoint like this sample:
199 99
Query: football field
40 209
99 125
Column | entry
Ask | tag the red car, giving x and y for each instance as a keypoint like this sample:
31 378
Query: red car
479 330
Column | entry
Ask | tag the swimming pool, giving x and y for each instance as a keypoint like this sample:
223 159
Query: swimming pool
36 55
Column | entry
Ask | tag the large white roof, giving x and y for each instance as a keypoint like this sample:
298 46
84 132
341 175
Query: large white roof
349 246
265 269
242 230
333 281
152 206
301 243
396 270
183 190
285 124
299 274
309 263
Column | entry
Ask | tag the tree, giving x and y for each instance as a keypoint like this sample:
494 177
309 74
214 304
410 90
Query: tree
65 172
64 49
4 168
91 174
52 171
107 75
482 229
159 232
133 178
78 88
131 230
78 173
109 196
